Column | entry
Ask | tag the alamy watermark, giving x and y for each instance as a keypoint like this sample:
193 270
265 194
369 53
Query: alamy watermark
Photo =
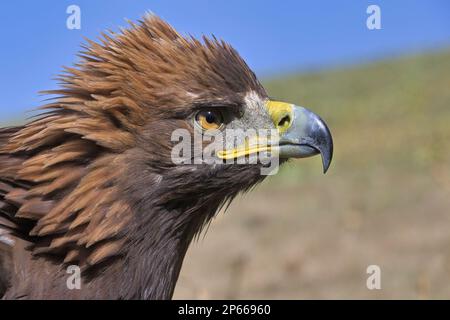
230 146
373 21
73 281
373 282
73 21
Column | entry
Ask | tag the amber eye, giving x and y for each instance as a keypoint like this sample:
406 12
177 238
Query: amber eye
209 119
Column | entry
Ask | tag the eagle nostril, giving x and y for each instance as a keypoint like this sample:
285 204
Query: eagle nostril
284 122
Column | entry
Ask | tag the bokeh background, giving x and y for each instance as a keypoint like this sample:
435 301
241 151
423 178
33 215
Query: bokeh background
385 95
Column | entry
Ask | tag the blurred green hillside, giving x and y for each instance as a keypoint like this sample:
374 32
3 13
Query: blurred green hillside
385 200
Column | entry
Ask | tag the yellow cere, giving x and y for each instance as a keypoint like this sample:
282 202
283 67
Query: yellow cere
281 114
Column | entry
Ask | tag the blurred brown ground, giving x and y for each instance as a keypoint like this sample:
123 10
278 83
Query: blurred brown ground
385 200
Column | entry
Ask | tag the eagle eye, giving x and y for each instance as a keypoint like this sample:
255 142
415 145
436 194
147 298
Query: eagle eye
209 119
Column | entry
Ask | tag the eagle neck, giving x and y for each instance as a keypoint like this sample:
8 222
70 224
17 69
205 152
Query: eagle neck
158 246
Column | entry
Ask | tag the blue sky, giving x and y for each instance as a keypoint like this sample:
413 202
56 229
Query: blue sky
273 36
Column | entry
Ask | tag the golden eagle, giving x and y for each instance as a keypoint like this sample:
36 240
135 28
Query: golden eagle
91 181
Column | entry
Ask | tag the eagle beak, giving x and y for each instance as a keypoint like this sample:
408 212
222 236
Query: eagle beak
302 132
